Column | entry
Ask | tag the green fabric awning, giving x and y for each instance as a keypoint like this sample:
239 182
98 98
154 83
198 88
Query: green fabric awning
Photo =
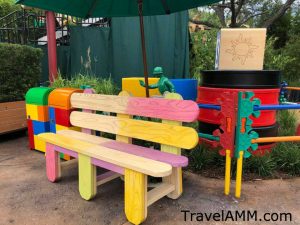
114 8
118 8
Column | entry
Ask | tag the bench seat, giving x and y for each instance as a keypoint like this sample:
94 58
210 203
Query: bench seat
120 156
173 160
143 162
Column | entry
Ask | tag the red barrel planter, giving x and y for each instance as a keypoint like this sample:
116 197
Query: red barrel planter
208 95
265 84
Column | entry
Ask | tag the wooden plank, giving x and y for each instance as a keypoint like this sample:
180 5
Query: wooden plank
87 177
176 180
14 120
106 177
11 127
96 162
13 113
13 116
168 148
137 163
12 105
135 196
88 91
178 136
53 168
108 166
179 110
69 164
159 192
119 137
83 136
176 177
172 159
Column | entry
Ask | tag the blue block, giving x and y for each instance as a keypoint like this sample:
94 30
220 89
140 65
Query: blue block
52 119
40 127
187 88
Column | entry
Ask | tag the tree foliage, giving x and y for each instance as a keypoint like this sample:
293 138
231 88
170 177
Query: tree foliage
7 6
248 13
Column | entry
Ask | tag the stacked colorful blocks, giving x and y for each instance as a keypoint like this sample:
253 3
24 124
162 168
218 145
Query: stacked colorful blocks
37 115
60 109
48 110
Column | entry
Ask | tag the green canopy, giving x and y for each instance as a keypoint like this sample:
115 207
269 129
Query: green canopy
114 8
118 8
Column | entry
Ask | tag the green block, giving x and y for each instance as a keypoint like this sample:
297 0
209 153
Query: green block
38 95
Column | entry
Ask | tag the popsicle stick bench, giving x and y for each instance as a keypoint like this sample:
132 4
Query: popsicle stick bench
120 156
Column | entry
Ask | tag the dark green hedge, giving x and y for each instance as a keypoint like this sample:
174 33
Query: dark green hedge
20 70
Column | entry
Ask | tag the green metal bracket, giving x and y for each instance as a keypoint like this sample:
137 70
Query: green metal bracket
244 132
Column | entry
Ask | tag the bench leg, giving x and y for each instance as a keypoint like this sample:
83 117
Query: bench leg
176 179
87 177
135 196
52 163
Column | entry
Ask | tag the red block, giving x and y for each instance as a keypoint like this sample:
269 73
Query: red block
30 133
62 117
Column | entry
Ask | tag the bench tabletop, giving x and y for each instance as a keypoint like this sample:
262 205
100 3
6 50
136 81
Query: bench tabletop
122 159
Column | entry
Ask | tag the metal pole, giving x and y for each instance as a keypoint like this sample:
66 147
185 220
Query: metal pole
209 106
276 107
51 37
140 7
276 139
209 137
256 108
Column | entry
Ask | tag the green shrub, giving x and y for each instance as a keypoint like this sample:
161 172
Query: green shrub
101 85
287 123
287 157
19 70
202 157
262 165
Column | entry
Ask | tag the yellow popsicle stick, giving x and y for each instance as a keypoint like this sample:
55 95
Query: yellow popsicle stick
239 170
227 172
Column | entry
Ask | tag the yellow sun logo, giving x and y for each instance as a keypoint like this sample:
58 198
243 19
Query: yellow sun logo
241 49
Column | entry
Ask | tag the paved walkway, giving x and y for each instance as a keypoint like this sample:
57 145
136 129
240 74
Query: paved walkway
26 196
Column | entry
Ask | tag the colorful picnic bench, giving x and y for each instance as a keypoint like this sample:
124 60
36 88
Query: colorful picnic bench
120 156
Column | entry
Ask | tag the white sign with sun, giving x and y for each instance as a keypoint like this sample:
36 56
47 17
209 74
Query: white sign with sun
241 49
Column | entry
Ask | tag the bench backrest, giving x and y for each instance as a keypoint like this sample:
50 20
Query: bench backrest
160 108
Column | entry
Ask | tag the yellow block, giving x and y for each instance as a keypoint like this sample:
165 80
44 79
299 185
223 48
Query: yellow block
39 144
59 127
135 196
32 112
132 85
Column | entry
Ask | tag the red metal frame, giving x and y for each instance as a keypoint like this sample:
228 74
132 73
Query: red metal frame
51 37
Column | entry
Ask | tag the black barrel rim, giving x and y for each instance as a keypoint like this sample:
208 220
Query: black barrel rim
244 79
